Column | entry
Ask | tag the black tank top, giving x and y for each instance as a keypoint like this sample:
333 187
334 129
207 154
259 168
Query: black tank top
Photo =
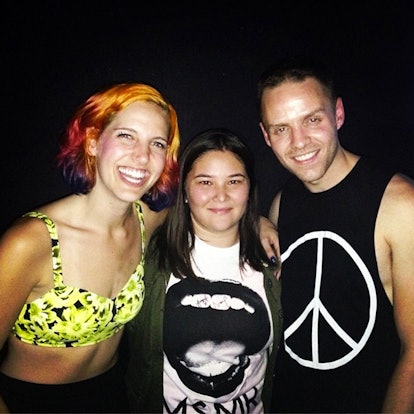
341 343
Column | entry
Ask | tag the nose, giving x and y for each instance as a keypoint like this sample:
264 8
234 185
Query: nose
141 152
298 137
221 193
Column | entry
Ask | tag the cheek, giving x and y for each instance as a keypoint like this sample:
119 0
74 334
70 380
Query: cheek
107 149
106 155
197 197
159 163
240 198
243 198
281 146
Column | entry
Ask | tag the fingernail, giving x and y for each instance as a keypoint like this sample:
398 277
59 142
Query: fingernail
273 260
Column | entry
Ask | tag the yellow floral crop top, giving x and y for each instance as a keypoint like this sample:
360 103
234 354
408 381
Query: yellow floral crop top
67 316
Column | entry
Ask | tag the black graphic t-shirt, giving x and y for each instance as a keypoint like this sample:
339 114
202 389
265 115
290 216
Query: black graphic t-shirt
340 339
217 333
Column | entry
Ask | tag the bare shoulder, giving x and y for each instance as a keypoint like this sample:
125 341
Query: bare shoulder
396 214
399 197
394 238
274 208
152 219
25 253
27 241
25 237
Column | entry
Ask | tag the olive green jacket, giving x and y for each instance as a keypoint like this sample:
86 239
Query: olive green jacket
144 370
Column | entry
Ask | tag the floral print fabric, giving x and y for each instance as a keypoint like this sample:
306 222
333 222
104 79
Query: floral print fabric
67 316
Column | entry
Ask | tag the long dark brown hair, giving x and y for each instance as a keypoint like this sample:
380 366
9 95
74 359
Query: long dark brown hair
175 238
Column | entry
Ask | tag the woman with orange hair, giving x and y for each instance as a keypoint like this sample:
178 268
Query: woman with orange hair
71 272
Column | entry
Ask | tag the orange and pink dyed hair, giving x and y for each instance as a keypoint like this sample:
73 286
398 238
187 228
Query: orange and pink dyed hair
92 117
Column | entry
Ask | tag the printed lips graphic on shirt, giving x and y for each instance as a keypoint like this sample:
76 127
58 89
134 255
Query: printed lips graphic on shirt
210 329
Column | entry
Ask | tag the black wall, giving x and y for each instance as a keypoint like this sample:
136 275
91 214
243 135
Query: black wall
206 60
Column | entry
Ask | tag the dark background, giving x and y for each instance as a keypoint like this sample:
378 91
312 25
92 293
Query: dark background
206 59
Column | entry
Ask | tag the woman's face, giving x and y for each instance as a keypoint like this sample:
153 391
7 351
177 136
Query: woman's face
131 151
217 190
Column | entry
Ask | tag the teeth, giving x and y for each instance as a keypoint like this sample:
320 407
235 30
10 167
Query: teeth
132 172
305 156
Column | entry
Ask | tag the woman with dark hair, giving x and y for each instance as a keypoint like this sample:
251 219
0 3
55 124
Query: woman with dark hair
207 335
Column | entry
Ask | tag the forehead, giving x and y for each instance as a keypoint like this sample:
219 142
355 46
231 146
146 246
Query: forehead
219 162
141 111
309 88
293 99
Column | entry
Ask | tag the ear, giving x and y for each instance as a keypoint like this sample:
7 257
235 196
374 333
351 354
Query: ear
265 135
91 141
339 113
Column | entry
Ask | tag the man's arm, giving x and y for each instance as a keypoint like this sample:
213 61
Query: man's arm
398 222
269 238
274 209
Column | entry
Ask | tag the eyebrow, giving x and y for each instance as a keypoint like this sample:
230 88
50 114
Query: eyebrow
308 115
121 128
201 175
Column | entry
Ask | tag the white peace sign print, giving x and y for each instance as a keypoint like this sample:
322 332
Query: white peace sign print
320 311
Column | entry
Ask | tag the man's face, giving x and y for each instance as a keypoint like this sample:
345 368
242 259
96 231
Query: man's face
300 124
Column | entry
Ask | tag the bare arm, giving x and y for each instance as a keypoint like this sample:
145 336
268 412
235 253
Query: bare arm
20 252
269 234
398 222
21 249
274 209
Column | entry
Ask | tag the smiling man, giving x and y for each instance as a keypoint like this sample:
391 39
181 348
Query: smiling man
346 232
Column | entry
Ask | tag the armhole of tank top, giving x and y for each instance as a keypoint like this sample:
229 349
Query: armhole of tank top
56 258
